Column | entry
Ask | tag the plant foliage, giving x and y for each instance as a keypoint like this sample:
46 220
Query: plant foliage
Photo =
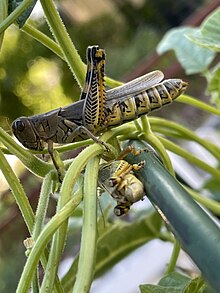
103 245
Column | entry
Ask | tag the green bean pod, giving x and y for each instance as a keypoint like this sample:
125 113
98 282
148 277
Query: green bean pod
196 232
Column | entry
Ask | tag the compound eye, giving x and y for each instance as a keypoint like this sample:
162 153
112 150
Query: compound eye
20 126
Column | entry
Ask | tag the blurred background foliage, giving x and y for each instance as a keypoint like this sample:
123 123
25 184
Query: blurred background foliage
33 80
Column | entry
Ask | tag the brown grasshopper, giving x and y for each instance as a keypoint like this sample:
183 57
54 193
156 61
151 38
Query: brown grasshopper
97 110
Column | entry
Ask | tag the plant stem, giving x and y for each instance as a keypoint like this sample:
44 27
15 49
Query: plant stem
174 257
14 15
20 198
54 47
151 138
42 241
188 156
59 31
22 202
185 134
18 192
34 164
3 15
209 203
65 195
43 39
198 104
86 264
42 205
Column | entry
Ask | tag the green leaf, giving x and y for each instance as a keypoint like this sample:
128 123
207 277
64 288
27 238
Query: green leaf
210 26
209 34
196 285
214 86
193 58
174 279
175 283
13 4
123 238
203 41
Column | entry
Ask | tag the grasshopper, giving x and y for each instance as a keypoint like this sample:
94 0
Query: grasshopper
97 110
118 179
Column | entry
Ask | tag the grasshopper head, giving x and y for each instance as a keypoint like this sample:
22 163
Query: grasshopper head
24 132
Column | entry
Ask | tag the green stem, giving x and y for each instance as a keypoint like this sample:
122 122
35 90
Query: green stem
124 129
34 164
209 203
198 104
3 16
35 284
65 194
59 31
174 257
15 14
5 151
42 241
166 236
18 192
43 39
185 134
54 47
86 264
20 198
138 126
167 132
152 139
22 202
42 205
188 156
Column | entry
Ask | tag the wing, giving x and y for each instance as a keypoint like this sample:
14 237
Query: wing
73 112
94 95
136 85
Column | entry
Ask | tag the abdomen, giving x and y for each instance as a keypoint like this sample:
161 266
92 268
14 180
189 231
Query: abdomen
130 108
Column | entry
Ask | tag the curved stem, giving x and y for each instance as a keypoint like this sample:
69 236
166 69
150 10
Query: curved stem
185 134
42 204
18 192
188 156
3 16
212 205
34 164
174 257
55 48
59 31
65 195
198 104
40 217
23 203
15 14
86 264
43 39
152 139
42 241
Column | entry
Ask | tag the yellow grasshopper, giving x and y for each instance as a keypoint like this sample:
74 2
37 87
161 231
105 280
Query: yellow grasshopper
97 110
118 179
